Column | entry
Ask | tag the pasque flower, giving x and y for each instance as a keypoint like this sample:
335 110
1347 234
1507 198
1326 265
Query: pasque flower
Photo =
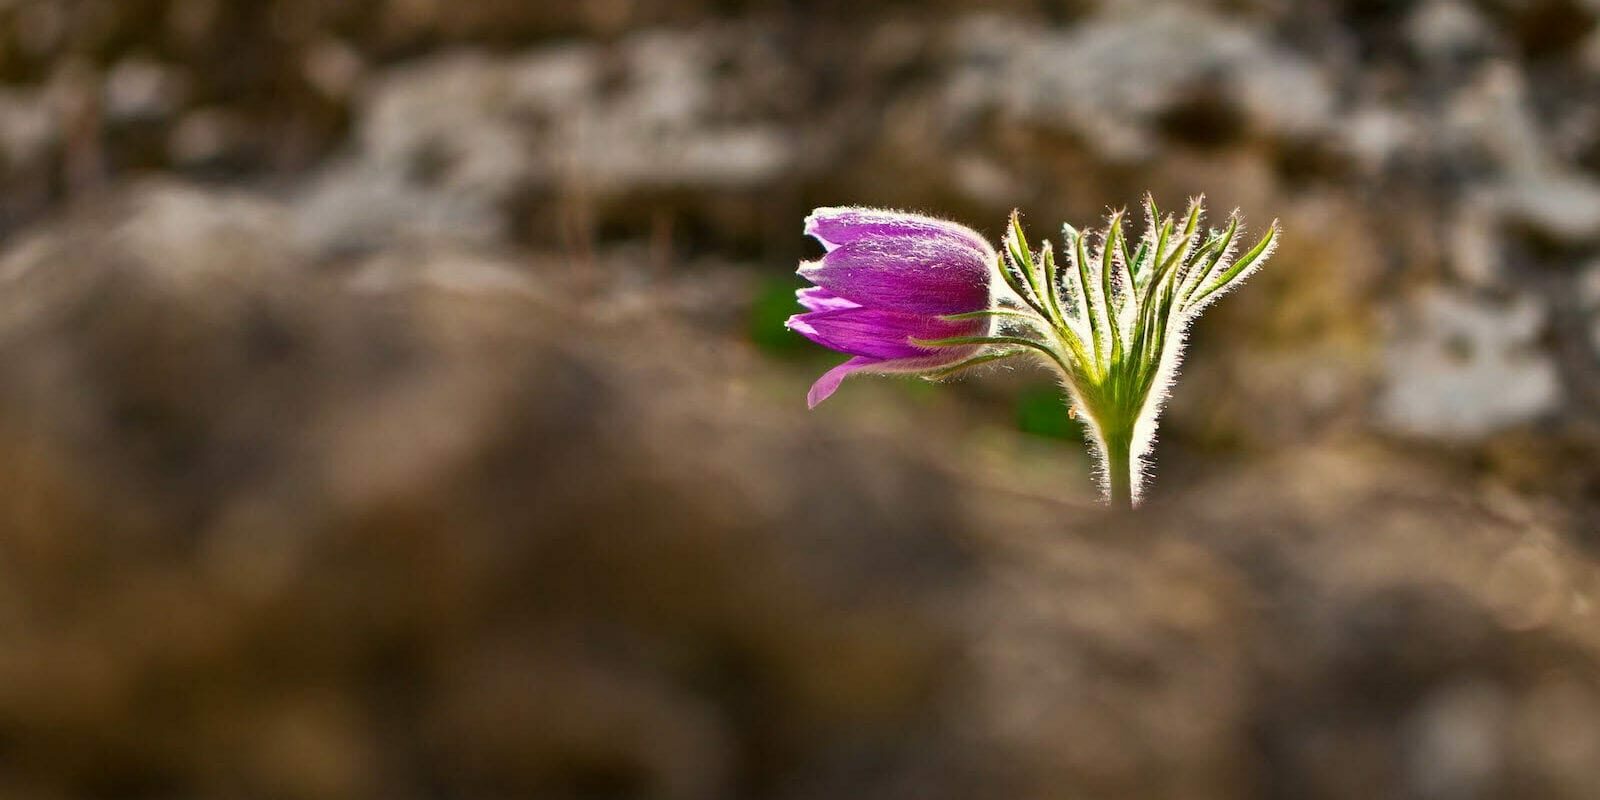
887 280
905 293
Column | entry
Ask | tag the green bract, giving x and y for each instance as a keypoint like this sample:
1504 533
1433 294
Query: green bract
1110 315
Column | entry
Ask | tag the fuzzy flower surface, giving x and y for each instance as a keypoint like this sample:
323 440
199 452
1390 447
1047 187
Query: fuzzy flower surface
1112 316
887 281
906 293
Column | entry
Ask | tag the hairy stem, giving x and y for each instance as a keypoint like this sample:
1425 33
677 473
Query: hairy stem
1117 449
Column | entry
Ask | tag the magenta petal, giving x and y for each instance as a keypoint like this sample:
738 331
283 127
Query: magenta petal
889 279
880 334
842 225
830 380
920 277
816 298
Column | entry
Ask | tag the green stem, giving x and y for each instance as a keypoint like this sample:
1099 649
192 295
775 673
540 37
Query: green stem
1118 446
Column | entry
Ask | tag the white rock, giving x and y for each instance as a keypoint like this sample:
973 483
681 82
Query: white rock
1563 207
455 271
355 207
445 143
554 77
1376 135
1443 29
139 89
446 121
1109 78
1454 743
1458 368
1475 241
1491 117
183 232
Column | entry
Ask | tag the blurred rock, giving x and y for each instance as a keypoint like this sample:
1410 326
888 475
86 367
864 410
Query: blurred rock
1444 30
140 90
362 208
575 125
27 127
1562 210
1489 119
1121 83
212 138
428 520
1453 743
335 68
425 526
1326 624
1378 137
1460 368
1589 296
1545 27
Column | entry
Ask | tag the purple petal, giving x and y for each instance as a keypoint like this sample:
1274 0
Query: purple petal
816 298
882 334
839 226
928 360
830 380
926 276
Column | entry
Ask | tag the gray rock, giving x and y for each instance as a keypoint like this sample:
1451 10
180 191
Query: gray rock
271 459
1457 368
1455 743
1490 118
439 150
1448 29
1476 241
446 143
1109 79
1589 292
359 206
1558 207
1376 135
208 136
1589 55
28 127
449 271
142 90
179 231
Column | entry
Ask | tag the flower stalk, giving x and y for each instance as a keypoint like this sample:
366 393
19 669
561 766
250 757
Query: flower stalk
1109 315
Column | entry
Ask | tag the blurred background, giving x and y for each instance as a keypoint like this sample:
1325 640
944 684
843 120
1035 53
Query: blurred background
394 403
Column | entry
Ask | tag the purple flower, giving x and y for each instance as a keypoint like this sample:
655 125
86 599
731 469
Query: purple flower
887 278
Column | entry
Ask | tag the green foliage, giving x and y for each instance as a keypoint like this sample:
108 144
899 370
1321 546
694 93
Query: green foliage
774 302
1041 412
1111 316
